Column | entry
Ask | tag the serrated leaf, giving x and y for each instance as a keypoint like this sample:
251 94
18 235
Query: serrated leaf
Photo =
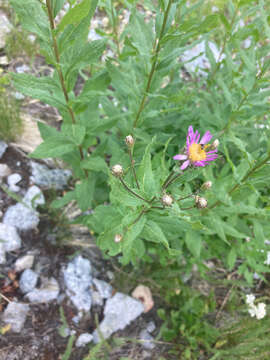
53 147
59 203
193 242
131 236
85 193
95 163
76 14
152 232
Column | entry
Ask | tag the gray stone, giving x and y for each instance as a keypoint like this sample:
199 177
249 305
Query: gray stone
49 291
97 298
84 339
2 254
119 311
21 216
12 180
44 177
78 279
195 59
24 262
28 281
5 28
9 237
3 145
151 326
148 340
22 69
34 197
15 315
4 170
103 288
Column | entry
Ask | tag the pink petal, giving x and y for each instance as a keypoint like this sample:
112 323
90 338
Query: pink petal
206 138
180 157
199 163
190 131
212 151
185 165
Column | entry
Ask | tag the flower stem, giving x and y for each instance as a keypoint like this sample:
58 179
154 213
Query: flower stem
132 167
154 64
171 180
167 179
133 192
59 71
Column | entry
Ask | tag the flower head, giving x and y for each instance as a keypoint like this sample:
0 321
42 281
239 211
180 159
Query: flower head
196 153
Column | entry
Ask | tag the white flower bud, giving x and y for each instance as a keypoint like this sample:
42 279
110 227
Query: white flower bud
201 202
117 170
215 144
167 200
118 238
207 185
129 140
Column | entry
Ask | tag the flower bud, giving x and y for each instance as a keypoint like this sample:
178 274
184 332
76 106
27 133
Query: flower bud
201 202
167 200
118 238
117 170
207 185
215 144
129 140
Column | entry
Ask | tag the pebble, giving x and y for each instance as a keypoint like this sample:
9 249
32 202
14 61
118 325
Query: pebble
11 238
104 289
78 279
28 281
12 180
151 326
15 315
148 343
97 298
84 339
3 145
47 178
34 197
4 170
119 311
24 262
49 291
22 69
2 254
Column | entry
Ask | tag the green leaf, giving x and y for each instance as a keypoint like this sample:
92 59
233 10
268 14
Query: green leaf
76 14
193 241
232 256
95 163
45 89
85 193
53 147
75 132
59 203
152 232
33 17
131 237
145 173
57 6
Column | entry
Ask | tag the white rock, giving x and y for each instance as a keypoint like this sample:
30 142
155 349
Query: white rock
2 254
103 288
78 279
15 315
24 262
84 339
148 340
119 311
10 237
97 298
5 28
22 69
4 170
34 197
3 145
28 281
12 180
49 291
151 326
21 217
44 177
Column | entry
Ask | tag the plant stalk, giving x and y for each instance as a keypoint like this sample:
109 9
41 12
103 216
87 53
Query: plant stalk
154 64
132 167
132 192
59 71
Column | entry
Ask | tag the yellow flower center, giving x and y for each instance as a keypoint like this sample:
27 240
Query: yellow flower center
197 152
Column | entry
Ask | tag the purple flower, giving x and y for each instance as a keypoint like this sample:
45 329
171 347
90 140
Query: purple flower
196 153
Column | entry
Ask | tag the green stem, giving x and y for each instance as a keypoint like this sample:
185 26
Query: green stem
132 167
154 64
236 186
133 192
59 71
167 179
172 180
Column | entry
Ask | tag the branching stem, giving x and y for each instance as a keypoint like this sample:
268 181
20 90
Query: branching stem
133 192
132 167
